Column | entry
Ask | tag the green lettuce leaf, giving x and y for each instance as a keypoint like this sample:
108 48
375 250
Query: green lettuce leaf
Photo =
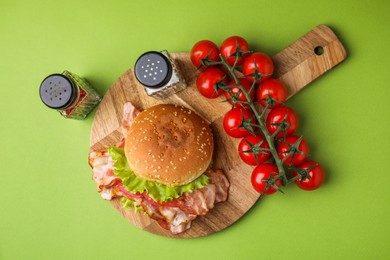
158 192
128 203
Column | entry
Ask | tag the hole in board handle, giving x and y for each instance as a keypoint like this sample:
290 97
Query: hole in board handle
319 50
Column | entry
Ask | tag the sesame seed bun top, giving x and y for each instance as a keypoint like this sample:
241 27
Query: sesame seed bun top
169 144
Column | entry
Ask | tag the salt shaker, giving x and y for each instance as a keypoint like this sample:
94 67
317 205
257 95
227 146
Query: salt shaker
159 74
72 96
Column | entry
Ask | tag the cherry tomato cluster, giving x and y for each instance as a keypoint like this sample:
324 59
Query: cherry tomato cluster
267 142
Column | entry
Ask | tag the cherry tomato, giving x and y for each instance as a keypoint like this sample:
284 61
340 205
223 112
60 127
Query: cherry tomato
250 157
316 174
277 115
293 151
235 89
203 49
259 61
272 88
207 79
264 172
229 47
233 119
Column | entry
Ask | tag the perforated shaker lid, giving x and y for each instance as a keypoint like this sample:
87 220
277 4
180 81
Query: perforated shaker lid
57 91
153 69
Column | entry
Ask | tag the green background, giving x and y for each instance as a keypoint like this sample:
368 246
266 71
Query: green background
49 207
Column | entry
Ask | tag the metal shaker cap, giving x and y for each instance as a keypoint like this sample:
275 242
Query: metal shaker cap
57 91
153 69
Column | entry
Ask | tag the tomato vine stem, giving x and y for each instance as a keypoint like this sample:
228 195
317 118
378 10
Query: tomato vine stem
259 116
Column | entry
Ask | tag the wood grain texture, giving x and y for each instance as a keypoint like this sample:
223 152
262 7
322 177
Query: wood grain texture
296 66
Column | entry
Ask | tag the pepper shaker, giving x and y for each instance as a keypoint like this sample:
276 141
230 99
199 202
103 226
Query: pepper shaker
72 96
159 74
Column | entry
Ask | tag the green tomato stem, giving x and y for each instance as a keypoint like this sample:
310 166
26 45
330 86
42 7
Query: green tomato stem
260 119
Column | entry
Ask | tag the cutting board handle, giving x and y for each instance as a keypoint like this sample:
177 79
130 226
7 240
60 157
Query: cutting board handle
307 58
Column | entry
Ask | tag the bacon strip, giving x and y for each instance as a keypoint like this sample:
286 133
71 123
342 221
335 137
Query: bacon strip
103 174
130 112
102 163
222 184
176 215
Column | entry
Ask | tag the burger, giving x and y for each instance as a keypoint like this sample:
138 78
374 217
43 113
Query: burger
162 166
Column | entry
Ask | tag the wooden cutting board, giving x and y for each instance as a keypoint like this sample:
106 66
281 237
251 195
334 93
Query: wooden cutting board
296 66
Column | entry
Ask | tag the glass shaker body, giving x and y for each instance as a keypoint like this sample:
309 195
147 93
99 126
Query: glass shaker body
159 74
72 96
